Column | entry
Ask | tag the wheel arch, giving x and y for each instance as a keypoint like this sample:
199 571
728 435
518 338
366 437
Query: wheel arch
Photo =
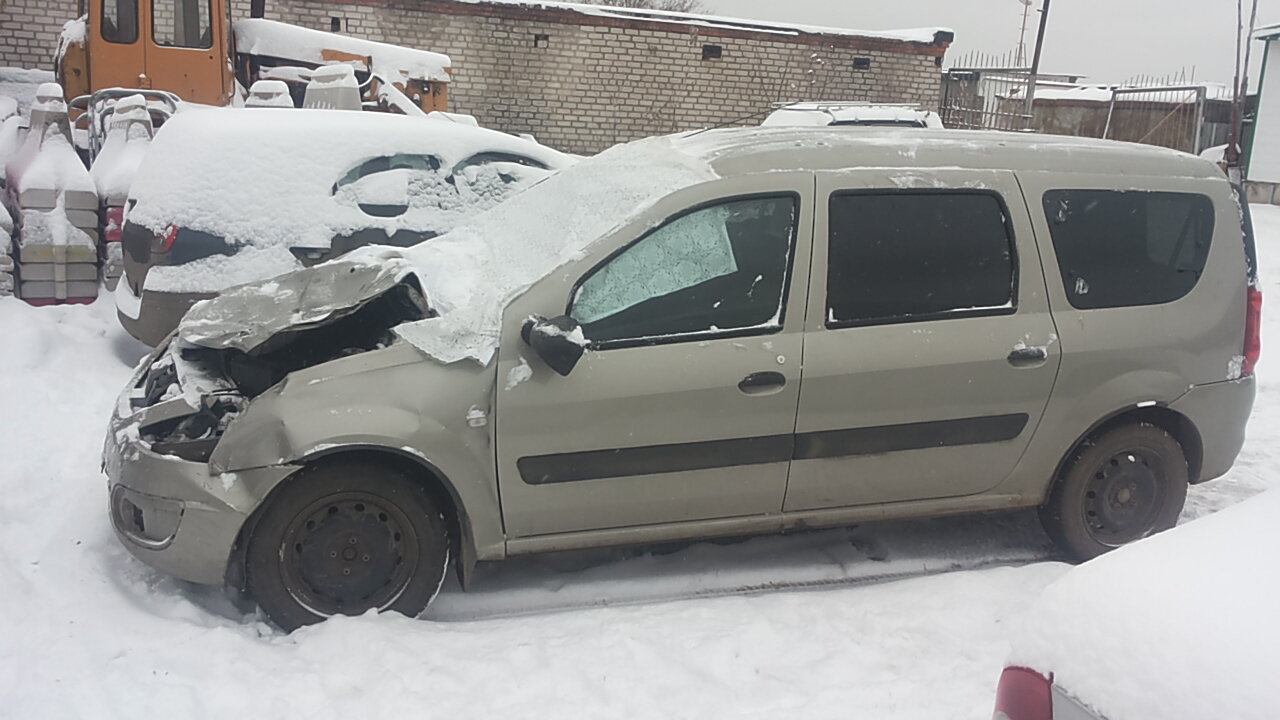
419 468
1160 415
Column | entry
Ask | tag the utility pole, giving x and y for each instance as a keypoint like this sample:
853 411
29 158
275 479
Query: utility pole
1235 166
1035 62
1022 34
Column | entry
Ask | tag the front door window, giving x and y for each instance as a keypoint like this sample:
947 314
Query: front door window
721 268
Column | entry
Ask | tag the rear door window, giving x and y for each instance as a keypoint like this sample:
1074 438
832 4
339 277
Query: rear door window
1124 248
905 256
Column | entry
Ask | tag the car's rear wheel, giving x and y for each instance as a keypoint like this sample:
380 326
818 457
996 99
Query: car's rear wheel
1121 485
343 538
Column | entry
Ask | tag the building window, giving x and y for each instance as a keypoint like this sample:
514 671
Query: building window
540 40
712 52
862 63
335 24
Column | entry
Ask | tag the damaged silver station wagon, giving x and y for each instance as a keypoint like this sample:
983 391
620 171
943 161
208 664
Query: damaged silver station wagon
729 333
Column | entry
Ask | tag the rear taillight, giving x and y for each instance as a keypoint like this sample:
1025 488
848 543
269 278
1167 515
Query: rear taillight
1252 330
163 242
1023 694
113 229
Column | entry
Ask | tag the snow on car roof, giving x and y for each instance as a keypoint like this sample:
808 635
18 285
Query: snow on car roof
734 151
811 114
257 36
265 176
1180 625
470 275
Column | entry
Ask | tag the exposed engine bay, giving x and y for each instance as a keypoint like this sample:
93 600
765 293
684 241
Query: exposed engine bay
205 375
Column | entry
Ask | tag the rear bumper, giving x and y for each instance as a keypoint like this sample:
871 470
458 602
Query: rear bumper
151 317
1220 412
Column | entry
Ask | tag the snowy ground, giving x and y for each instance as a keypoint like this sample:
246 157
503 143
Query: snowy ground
91 632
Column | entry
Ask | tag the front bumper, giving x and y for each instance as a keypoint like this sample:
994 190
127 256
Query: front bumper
177 515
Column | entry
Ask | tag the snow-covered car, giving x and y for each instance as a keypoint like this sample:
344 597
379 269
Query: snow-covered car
228 196
1181 626
821 114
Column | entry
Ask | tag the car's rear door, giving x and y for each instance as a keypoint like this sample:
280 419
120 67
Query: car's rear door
929 352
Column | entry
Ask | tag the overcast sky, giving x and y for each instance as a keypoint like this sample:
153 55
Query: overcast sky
1108 40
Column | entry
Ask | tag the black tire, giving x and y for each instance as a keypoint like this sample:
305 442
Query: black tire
1121 485
345 537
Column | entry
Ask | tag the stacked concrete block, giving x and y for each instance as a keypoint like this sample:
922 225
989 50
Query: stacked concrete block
128 137
57 208
6 253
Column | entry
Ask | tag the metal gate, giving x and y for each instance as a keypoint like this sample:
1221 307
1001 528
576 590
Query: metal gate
1175 116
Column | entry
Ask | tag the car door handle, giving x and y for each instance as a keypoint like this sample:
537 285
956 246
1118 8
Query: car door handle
762 383
1028 356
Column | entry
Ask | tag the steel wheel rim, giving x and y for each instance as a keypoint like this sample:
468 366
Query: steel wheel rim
347 553
1124 496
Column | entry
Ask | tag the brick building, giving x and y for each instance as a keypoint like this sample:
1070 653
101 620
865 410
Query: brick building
581 78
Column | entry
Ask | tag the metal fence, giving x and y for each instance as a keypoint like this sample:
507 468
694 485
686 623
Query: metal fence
1181 117
976 98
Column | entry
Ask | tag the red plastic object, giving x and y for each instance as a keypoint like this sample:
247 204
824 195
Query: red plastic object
45 302
113 230
1023 694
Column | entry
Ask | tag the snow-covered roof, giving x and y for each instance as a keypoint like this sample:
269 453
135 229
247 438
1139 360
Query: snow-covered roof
1180 625
1267 32
1102 93
926 35
257 36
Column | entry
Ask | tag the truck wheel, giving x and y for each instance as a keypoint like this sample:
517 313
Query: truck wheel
1119 486
343 538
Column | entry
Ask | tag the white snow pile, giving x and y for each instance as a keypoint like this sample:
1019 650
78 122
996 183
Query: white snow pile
278 178
256 36
470 275
1182 625
20 84
122 152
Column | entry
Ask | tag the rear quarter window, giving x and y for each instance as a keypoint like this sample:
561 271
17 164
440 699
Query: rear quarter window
1124 248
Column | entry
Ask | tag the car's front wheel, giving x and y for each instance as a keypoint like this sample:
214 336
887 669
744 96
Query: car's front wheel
1120 485
342 538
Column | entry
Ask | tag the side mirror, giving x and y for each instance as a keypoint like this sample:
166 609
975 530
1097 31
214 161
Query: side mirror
558 341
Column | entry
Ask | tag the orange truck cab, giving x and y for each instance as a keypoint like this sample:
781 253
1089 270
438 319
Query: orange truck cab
182 46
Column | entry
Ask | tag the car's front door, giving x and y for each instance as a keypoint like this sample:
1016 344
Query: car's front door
683 407
930 351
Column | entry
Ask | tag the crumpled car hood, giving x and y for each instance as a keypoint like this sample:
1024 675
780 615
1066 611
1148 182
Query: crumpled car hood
255 318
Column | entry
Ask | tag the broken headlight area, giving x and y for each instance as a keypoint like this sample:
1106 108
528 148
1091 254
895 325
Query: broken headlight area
190 394
193 437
